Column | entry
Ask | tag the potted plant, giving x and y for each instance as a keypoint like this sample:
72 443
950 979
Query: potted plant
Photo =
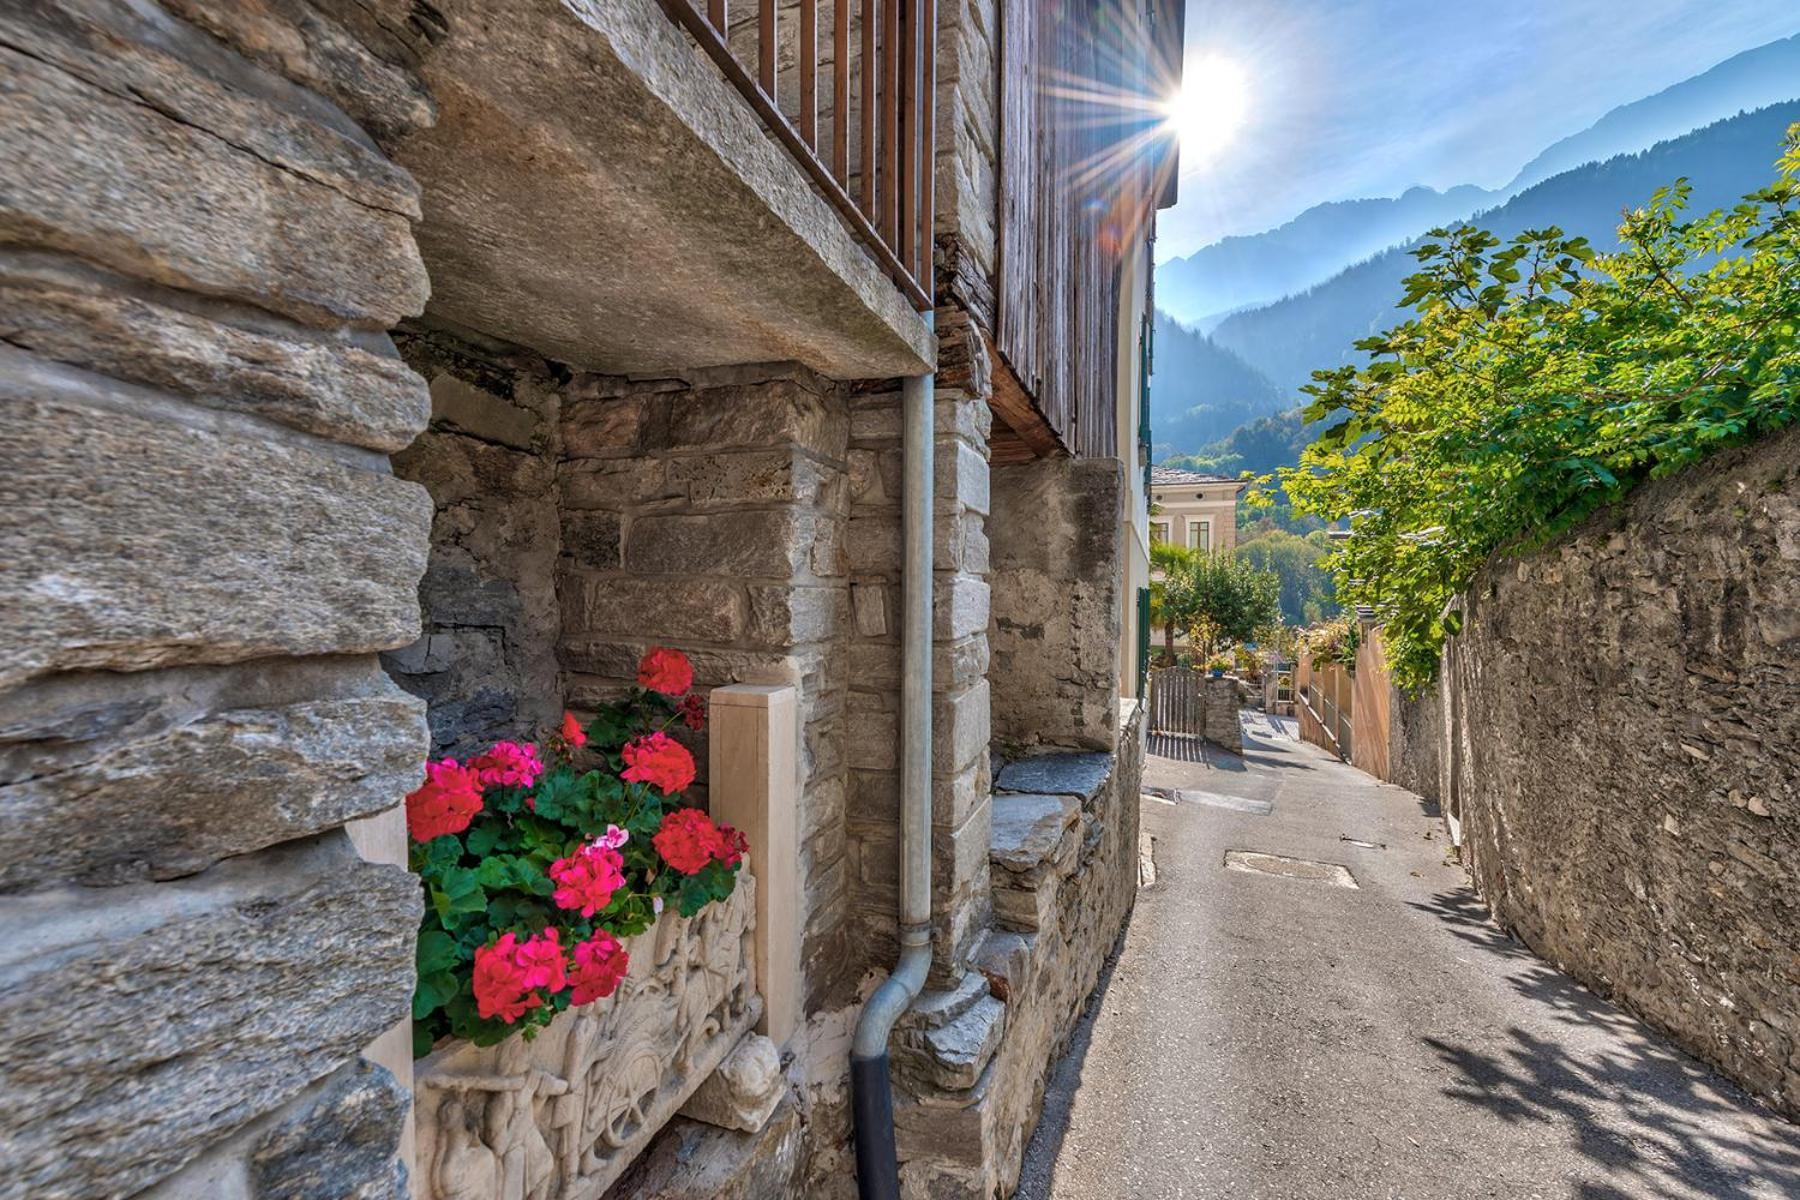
1217 665
573 900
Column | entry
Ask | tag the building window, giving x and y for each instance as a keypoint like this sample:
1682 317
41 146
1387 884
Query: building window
1199 535
1159 531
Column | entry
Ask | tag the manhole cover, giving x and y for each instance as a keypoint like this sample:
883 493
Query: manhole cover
1290 868
1261 808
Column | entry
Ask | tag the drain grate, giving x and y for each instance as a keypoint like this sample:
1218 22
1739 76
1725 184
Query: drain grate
1289 868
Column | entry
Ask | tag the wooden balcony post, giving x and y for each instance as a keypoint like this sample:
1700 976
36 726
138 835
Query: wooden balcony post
754 784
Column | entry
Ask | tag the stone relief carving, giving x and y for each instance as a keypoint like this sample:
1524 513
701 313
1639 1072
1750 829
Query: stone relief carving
562 1116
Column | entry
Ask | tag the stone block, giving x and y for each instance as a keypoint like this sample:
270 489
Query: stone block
950 1057
872 545
705 609
335 388
962 475
592 539
874 733
1079 775
343 1144
238 986
789 616
868 603
606 427
614 483
758 477
960 728
351 64
774 413
959 606
153 182
766 543
137 542
460 405
1028 829
199 764
743 1092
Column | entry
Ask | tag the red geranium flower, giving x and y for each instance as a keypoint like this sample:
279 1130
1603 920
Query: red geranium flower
572 731
508 764
509 973
659 760
587 879
600 963
688 840
666 671
446 802
692 711
733 845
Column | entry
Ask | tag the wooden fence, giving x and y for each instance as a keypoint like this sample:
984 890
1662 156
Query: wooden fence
1348 712
1176 702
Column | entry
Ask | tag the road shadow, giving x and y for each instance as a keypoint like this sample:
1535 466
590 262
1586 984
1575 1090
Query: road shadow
1186 748
1037 1169
1653 1121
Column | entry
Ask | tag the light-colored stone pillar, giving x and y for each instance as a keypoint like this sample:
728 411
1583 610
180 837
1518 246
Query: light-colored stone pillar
754 746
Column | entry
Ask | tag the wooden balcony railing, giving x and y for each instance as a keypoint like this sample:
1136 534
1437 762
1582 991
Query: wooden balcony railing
866 142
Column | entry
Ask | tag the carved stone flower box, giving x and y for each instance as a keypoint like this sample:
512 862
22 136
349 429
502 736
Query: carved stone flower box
561 1117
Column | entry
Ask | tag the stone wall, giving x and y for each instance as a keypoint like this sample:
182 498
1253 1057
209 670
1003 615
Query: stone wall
960 705
486 662
206 551
1622 721
708 513
1058 609
972 1060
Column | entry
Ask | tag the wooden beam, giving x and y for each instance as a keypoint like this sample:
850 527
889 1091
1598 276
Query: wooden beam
1014 408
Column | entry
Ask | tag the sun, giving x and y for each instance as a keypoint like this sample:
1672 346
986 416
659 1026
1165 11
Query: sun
1208 111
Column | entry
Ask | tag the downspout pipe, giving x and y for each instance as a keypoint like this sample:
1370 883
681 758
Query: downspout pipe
872 1093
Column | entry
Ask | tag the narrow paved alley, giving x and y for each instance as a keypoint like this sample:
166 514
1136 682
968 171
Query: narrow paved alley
1264 1035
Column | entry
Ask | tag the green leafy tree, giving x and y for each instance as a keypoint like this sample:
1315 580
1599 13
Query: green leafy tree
1306 588
1221 599
1538 381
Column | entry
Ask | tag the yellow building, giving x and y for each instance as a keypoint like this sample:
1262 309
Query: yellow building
1192 509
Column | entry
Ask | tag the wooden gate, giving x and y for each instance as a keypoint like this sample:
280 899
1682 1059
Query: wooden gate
1176 702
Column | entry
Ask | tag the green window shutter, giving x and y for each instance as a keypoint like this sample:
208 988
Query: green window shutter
1143 638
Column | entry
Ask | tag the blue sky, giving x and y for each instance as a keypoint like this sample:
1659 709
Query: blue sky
1351 98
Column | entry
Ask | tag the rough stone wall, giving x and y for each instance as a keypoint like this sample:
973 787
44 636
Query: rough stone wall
960 705
708 514
1064 864
486 662
206 551
1624 748
1415 742
1058 574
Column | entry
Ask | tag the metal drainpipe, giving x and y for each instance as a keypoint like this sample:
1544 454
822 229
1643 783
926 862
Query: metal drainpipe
872 1095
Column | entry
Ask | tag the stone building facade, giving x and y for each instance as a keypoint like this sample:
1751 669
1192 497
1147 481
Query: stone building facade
385 377
1632 814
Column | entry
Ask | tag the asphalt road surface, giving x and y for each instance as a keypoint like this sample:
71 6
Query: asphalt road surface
1284 1035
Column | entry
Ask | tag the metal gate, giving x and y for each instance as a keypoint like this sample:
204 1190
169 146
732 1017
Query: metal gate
1177 704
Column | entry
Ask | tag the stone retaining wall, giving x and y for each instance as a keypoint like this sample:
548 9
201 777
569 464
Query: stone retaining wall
1621 742
973 1060
206 551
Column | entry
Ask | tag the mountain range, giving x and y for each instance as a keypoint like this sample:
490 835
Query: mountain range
1243 272
1243 323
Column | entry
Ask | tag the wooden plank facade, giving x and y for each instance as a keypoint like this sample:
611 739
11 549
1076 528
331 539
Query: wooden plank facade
1077 182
